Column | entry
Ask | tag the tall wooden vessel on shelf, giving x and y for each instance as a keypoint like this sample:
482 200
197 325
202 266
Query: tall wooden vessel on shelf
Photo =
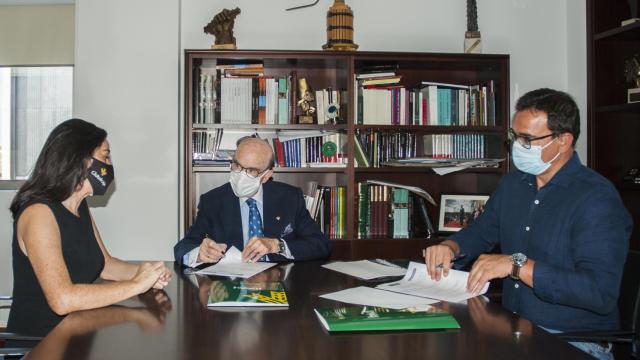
613 123
337 71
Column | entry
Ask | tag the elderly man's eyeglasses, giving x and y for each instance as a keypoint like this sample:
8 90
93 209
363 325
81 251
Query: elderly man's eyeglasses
251 172
525 140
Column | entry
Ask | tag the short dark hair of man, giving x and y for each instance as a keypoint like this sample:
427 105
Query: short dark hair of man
562 112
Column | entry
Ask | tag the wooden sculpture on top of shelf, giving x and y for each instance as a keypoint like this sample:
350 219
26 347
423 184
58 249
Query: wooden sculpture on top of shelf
472 39
339 27
221 26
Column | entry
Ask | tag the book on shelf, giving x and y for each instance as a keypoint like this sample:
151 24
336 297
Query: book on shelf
461 146
384 101
327 206
242 94
329 97
369 318
312 151
386 209
379 146
361 158
383 80
237 293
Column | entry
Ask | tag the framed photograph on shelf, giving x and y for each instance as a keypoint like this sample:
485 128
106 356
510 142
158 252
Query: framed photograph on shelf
458 211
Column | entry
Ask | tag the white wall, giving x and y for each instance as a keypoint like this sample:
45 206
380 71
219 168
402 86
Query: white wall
577 66
36 35
126 81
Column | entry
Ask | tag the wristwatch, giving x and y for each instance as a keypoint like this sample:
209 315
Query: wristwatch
517 260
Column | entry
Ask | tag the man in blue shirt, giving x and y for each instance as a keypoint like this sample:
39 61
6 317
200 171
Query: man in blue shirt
562 228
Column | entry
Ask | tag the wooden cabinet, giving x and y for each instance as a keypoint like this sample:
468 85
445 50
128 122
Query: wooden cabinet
613 124
337 70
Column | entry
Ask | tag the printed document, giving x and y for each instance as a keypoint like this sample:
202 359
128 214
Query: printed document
232 265
367 296
417 282
366 269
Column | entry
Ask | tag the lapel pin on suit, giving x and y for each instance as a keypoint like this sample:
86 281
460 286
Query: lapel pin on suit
277 218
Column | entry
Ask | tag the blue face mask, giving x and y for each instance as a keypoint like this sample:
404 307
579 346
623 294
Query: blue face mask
530 160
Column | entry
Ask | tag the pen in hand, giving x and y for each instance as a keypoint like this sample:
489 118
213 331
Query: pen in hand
441 265
207 236
454 259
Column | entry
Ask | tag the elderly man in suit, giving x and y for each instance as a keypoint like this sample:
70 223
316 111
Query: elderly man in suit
265 219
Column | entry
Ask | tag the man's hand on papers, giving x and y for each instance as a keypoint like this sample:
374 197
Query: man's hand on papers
439 259
488 267
258 247
210 251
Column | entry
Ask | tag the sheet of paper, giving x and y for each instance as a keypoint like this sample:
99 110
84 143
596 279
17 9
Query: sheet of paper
452 288
449 169
365 269
367 296
232 265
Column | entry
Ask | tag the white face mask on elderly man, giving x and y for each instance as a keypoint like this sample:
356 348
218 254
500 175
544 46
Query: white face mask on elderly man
244 185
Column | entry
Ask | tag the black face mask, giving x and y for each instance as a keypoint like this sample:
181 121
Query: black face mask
100 176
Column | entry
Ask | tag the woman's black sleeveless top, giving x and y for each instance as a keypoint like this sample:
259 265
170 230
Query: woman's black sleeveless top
30 313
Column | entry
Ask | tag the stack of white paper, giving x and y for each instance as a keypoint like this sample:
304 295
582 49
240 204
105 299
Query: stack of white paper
367 296
232 265
365 269
416 282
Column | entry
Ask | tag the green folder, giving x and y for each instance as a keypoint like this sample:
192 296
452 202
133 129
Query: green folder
245 293
369 318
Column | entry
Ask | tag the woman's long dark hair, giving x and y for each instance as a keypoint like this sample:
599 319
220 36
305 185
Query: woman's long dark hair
61 165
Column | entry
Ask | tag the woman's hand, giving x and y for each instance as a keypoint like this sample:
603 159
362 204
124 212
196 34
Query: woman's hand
148 275
164 279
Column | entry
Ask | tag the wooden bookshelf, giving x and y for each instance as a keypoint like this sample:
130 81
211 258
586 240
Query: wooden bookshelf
337 70
613 124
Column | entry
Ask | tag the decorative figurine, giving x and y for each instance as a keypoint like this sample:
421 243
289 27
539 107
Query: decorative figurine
221 26
306 102
339 27
472 39
633 6
632 75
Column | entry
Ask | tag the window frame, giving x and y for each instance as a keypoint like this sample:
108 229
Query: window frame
15 184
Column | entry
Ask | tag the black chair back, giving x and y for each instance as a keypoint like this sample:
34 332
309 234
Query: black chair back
629 300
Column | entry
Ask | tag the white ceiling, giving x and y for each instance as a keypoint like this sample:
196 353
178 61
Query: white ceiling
36 2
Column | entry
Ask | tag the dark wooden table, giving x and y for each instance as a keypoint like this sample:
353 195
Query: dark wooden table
176 325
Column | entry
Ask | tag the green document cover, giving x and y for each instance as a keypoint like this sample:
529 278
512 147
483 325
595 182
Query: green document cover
245 293
369 318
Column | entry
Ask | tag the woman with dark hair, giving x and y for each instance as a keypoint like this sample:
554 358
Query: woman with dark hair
57 250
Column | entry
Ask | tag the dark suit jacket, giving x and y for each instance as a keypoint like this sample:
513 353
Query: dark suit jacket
219 216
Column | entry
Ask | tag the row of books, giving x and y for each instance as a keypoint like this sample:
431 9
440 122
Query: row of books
456 146
327 205
290 149
384 101
205 143
241 94
317 151
374 147
391 212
